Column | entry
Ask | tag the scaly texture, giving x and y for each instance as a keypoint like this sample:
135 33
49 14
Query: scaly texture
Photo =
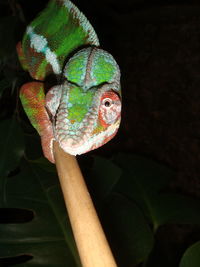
85 110
57 31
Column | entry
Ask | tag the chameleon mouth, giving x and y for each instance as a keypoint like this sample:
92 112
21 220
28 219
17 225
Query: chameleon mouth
73 149
72 146
88 142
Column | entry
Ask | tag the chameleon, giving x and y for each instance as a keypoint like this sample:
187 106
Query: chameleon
82 111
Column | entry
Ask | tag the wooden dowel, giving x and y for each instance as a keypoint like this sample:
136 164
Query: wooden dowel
91 242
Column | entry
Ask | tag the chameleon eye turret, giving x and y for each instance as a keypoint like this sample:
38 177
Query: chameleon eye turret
92 67
85 110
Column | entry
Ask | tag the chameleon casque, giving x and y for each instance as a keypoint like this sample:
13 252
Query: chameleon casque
83 111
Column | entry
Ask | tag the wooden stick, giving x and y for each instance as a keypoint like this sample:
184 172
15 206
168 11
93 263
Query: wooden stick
91 242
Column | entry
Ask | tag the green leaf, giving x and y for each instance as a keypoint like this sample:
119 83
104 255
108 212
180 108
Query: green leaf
12 146
129 229
143 182
191 257
47 237
105 174
174 208
150 174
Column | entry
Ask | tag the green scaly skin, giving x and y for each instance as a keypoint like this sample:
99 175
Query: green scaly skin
85 110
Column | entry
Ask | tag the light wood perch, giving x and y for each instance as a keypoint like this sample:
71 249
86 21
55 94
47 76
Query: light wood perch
91 242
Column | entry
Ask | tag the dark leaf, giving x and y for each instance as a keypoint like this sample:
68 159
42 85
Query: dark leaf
191 257
47 237
7 40
4 84
131 236
105 174
143 181
12 146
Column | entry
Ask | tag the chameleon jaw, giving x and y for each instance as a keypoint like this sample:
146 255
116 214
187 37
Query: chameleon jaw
88 143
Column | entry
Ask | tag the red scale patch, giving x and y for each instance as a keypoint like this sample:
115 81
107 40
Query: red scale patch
109 108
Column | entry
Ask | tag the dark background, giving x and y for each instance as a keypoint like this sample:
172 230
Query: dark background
157 46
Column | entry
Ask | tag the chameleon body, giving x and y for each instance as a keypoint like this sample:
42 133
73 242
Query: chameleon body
83 111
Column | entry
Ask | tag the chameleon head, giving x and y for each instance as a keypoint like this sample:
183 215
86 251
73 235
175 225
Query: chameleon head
89 112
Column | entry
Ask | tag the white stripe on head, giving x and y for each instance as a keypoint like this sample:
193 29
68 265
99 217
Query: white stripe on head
52 59
40 44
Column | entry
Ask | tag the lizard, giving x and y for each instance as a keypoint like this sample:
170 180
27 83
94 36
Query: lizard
82 111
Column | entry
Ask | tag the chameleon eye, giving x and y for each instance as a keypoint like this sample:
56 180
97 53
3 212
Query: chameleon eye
110 108
107 102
